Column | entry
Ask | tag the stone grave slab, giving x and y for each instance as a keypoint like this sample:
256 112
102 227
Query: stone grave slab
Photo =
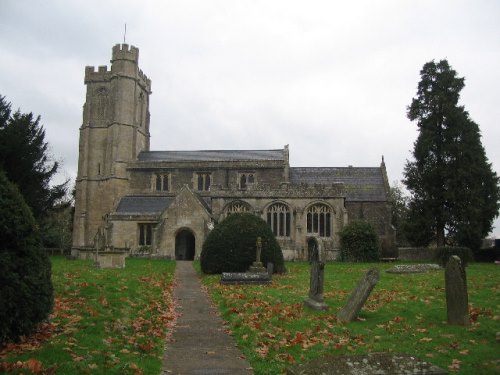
413 268
370 364
245 278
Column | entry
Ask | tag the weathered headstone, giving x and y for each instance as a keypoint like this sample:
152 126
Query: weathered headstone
270 269
316 284
457 300
359 296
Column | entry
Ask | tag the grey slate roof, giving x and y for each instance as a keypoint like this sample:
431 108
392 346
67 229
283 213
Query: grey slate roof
143 205
361 184
211 155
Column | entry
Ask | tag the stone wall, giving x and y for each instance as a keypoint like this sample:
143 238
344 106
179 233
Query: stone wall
417 254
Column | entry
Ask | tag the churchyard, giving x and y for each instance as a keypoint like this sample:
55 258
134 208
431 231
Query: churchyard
113 320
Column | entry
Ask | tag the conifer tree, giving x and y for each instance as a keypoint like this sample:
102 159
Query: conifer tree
454 190
25 158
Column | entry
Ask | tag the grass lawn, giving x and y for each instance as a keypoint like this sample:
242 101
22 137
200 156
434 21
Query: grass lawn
105 321
406 313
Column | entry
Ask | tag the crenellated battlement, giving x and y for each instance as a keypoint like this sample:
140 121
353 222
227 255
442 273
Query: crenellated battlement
120 52
102 74
124 52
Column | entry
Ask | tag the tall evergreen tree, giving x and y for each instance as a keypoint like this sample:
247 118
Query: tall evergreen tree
25 158
454 191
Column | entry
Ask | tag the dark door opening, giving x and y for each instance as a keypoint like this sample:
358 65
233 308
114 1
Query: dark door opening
184 245
312 250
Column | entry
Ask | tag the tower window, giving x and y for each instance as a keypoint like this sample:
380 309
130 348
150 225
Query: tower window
319 220
145 234
203 181
278 219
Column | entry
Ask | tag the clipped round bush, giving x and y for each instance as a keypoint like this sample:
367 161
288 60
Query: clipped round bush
26 292
359 243
442 254
231 245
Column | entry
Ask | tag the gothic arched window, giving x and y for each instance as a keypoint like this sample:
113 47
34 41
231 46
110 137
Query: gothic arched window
319 220
237 207
278 219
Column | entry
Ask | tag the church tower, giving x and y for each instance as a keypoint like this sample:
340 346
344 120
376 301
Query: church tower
115 129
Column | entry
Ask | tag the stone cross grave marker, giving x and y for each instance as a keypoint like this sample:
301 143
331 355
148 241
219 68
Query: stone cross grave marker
457 301
359 296
257 266
316 284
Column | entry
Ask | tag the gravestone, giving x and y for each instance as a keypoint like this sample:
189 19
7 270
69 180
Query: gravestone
457 301
257 266
359 296
270 269
316 284
257 274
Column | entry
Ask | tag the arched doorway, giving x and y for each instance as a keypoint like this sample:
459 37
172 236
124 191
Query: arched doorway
312 250
184 245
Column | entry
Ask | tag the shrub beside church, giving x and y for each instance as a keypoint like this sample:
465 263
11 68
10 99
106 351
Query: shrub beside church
26 292
231 245
359 243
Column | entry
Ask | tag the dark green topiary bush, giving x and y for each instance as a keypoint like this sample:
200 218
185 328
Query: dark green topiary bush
231 246
26 294
442 255
359 243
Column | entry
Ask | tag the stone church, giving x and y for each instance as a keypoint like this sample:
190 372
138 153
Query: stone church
132 199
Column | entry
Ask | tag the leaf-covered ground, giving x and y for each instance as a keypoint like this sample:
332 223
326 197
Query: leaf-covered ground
406 313
105 321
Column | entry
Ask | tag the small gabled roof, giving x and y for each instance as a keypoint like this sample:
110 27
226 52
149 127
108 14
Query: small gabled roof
143 204
361 184
212 155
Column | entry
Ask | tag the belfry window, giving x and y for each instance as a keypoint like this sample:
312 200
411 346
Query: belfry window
203 181
161 182
145 234
278 219
319 220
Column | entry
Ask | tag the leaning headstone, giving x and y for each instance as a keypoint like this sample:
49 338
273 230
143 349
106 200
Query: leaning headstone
315 300
457 300
359 296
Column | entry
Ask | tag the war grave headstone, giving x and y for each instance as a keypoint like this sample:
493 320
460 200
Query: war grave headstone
457 300
359 296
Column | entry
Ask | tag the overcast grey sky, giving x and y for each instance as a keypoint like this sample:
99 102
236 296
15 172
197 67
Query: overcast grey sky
330 78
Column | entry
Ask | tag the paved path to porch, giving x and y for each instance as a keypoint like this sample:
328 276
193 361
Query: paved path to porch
199 343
